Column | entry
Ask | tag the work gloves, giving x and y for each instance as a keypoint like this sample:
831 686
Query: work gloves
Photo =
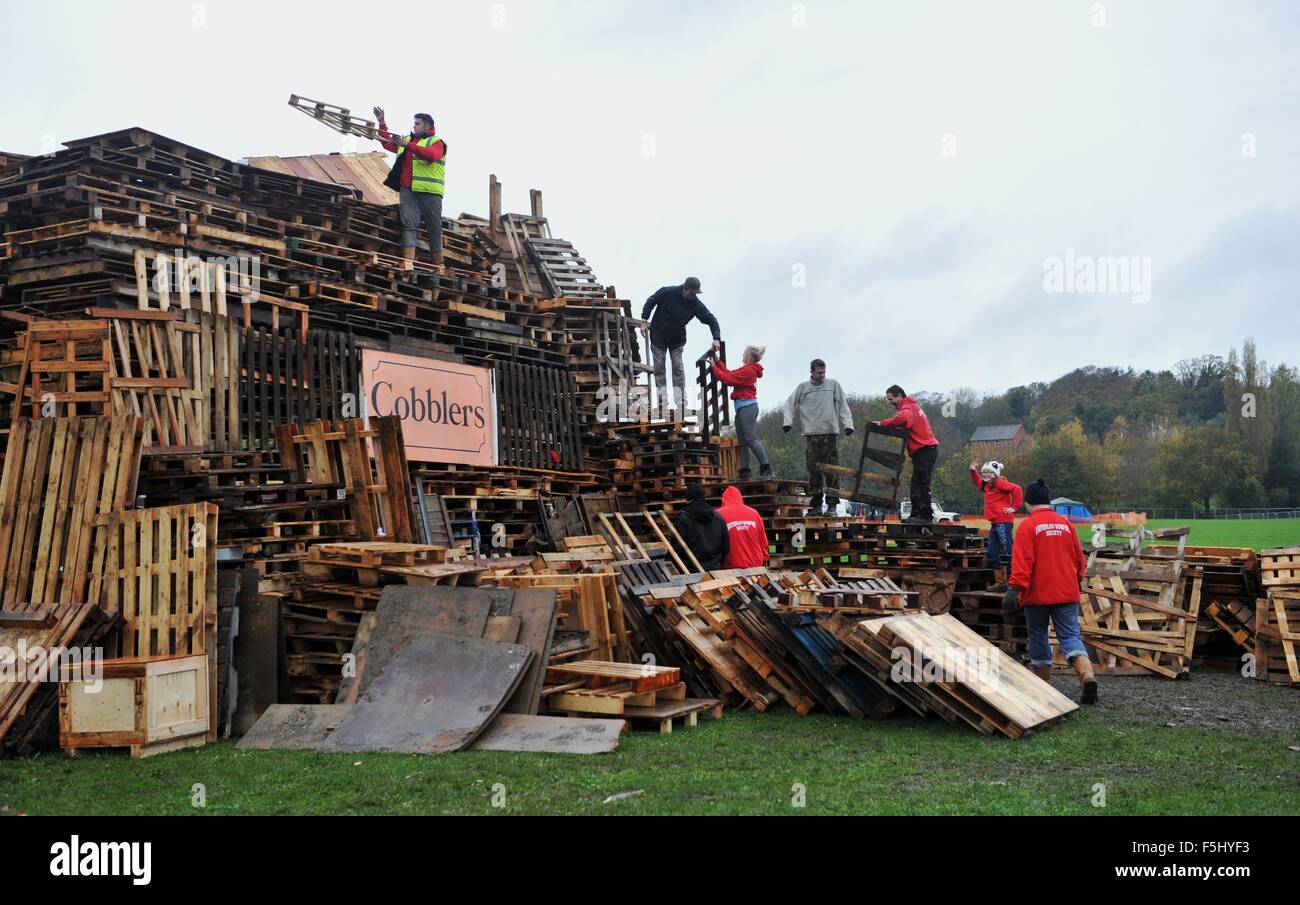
786 428
848 432
1011 600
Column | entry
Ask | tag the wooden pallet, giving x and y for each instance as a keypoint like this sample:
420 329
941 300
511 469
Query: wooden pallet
160 573
36 628
585 603
1277 631
64 482
340 119
1134 619
378 487
1280 567
1006 698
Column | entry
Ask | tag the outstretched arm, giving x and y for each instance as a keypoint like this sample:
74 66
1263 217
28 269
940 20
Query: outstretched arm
706 317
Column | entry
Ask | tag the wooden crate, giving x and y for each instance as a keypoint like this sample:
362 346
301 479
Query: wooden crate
148 704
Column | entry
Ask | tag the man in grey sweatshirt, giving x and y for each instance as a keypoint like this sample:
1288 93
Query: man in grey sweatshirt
823 413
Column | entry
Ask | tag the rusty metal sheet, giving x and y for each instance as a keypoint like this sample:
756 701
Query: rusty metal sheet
436 695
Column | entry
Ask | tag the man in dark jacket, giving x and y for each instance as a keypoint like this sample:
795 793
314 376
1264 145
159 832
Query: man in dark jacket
703 530
674 307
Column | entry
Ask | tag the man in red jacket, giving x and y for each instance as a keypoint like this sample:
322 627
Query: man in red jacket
749 545
1001 502
1047 569
922 446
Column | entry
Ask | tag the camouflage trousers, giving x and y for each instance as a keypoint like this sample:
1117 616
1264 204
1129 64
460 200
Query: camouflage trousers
822 449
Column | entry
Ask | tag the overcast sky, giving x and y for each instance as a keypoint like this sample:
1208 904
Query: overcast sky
878 184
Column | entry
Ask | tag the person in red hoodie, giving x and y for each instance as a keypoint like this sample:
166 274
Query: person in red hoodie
744 394
922 446
1047 569
748 536
1002 500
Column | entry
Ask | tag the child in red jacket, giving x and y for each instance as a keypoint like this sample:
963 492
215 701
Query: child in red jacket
745 396
1047 569
1002 500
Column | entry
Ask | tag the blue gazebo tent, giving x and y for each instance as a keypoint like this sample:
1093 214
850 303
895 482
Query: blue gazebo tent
1072 509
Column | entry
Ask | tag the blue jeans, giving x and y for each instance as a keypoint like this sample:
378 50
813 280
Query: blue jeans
998 553
1064 617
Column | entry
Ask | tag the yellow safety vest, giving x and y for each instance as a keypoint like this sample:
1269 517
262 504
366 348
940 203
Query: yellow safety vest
429 175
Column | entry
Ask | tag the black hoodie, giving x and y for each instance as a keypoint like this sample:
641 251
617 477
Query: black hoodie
704 532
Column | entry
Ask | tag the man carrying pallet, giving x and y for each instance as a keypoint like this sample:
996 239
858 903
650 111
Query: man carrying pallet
418 176
1047 571
823 411
673 308
922 447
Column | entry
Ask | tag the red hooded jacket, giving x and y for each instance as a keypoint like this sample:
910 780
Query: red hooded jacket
998 495
1047 561
744 379
749 545
911 416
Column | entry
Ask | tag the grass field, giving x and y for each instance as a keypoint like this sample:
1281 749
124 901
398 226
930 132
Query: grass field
746 763
1261 534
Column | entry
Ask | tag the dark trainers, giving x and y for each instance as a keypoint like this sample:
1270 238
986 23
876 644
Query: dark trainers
766 472
745 475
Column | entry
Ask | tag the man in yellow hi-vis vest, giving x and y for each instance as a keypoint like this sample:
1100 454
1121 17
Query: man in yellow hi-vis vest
418 176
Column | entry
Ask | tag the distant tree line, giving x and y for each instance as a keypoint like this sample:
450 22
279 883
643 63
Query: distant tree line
1213 432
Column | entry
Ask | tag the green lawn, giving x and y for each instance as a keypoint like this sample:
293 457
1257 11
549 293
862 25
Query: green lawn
747 763
1261 534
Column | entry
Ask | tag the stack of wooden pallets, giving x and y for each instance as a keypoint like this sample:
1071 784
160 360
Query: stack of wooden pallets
1277 617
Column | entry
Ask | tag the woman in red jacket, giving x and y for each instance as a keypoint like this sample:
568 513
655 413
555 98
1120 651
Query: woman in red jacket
744 380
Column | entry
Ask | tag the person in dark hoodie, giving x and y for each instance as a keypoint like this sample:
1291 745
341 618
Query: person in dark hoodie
744 394
673 308
703 530
749 546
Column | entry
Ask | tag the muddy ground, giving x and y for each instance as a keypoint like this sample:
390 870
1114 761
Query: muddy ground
1208 698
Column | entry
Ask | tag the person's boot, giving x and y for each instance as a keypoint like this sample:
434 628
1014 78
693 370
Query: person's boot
437 260
1043 672
999 580
1087 681
409 255
744 475
765 471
